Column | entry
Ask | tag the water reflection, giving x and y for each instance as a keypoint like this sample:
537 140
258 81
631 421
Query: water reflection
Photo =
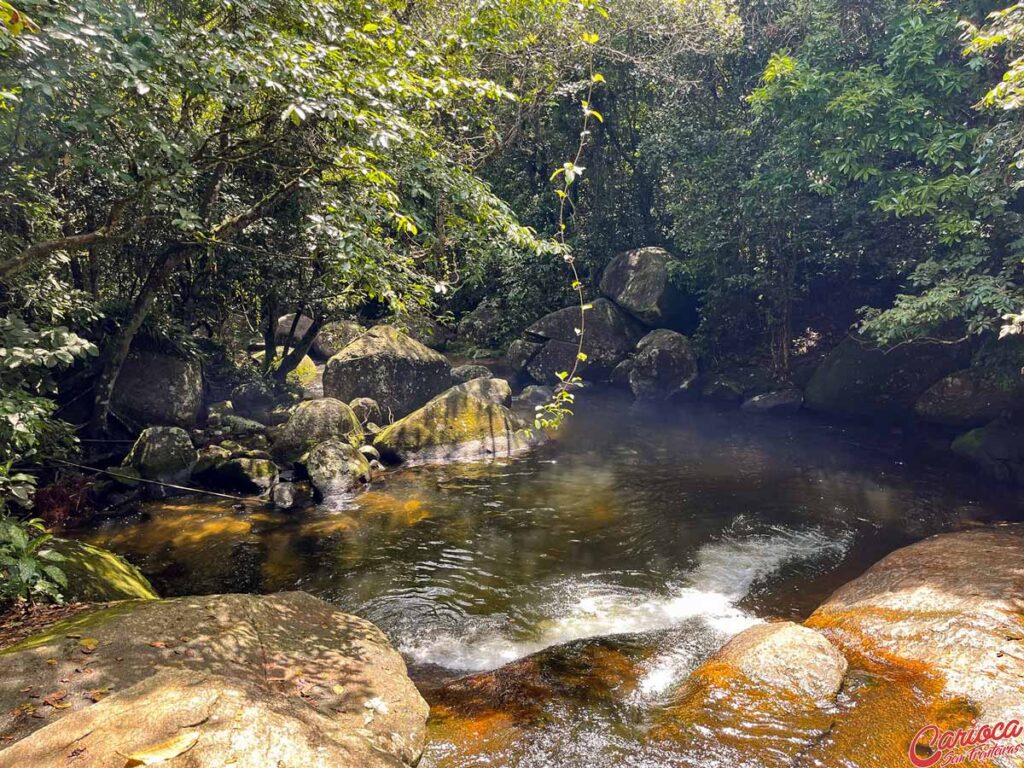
678 526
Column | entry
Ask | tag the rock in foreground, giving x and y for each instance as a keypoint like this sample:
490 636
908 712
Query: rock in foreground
284 680
314 422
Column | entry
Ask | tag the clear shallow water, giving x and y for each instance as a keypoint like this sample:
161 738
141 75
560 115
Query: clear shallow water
678 526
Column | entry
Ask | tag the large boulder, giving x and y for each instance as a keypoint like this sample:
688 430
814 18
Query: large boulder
243 680
336 469
609 336
97 575
948 606
163 453
334 337
972 397
639 282
154 388
313 422
470 421
664 366
997 449
521 352
857 379
385 364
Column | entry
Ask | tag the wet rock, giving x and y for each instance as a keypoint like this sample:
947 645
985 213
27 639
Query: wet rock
163 453
283 495
521 352
859 380
97 575
972 397
313 422
663 367
468 421
387 365
365 409
780 401
639 282
610 336
465 373
154 388
997 449
483 325
211 681
245 475
336 468
948 606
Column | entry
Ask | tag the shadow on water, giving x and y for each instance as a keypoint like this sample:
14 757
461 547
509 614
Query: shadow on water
679 526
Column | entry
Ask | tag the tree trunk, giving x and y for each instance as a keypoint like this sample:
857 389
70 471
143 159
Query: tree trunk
120 345
293 358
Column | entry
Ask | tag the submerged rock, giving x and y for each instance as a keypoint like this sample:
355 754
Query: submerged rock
947 607
780 401
283 495
385 364
313 422
468 421
639 282
664 366
163 453
98 575
244 680
336 468
610 335
154 388
997 449
859 380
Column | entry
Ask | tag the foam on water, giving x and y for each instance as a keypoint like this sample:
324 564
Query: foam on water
724 572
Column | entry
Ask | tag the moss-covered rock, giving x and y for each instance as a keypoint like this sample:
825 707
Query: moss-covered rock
334 337
163 453
997 449
468 421
155 388
220 468
313 422
857 379
336 468
97 575
387 365
465 373
305 376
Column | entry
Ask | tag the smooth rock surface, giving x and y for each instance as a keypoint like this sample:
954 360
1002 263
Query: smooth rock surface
154 388
638 281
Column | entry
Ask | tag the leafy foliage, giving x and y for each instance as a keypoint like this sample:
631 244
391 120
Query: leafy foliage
29 570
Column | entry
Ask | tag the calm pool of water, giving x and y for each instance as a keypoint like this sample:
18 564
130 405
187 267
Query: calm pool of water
682 524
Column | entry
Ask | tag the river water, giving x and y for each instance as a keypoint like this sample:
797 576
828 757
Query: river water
670 528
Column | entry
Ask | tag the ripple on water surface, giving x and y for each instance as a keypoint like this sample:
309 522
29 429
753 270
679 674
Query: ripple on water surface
668 530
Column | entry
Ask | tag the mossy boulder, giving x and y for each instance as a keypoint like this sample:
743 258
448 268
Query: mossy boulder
334 337
210 681
972 397
997 449
468 421
857 379
156 388
163 453
400 373
483 325
316 421
254 398
465 373
222 469
97 575
610 335
365 408
336 468
639 282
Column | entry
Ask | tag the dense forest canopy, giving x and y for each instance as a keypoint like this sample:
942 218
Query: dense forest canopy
180 174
